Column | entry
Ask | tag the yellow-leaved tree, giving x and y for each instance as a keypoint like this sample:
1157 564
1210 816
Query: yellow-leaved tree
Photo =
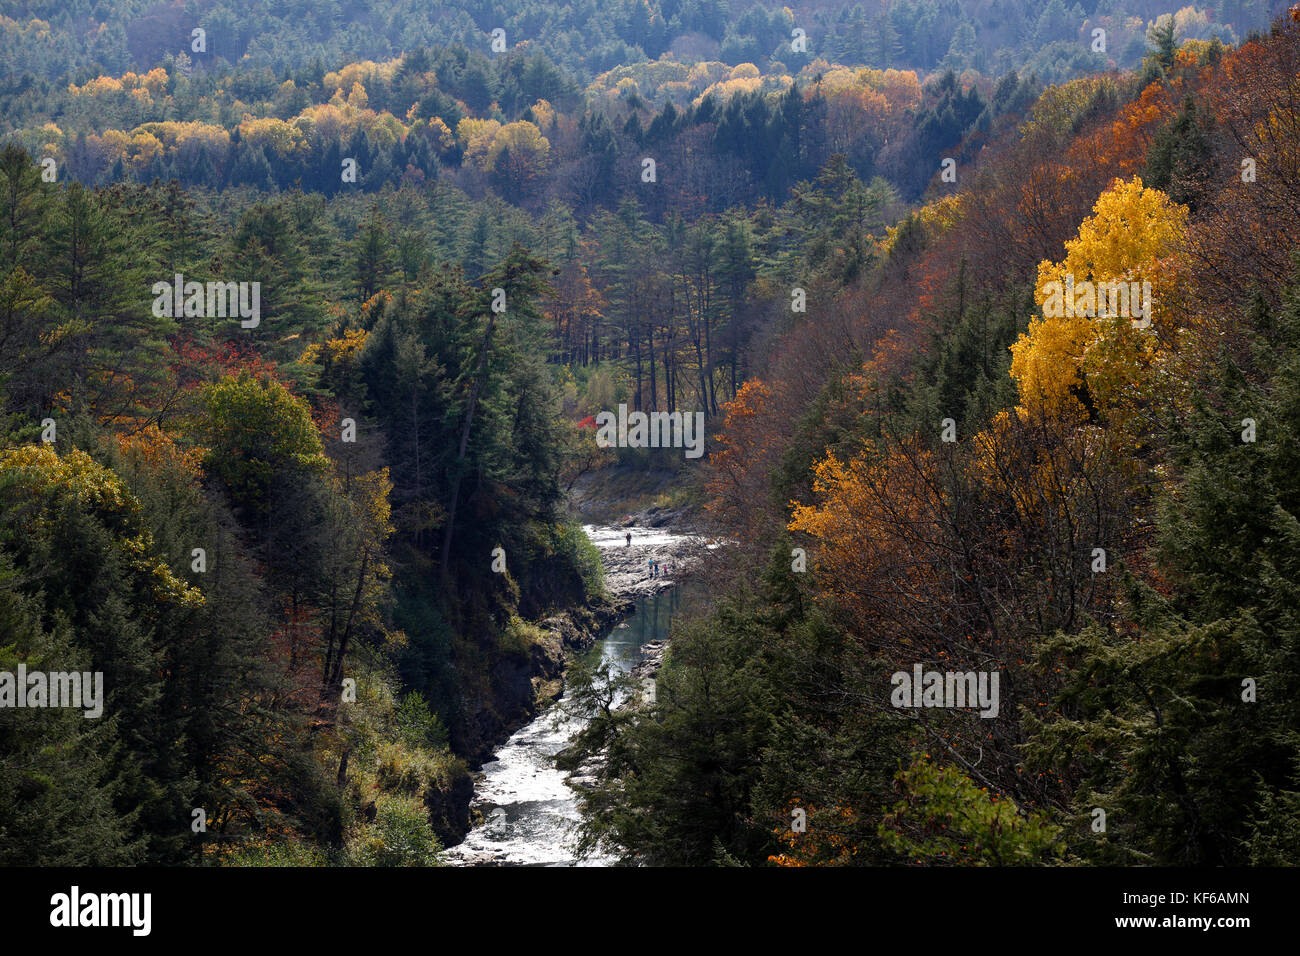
1108 310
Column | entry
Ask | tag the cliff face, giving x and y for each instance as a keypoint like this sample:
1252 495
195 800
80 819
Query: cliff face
522 684
447 803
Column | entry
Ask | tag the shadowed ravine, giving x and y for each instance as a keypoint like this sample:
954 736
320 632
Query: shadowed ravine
529 811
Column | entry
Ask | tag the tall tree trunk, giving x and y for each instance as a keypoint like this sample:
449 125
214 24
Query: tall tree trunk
735 339
654 378
635 345
708 357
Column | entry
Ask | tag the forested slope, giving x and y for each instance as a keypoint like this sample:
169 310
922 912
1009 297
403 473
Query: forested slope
230 524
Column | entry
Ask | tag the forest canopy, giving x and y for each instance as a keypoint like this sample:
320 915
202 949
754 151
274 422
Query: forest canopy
327 558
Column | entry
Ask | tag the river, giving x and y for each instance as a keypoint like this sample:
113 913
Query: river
529 811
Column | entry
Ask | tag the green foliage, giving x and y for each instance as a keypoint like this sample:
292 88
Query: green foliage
416 725
945 819
833 422
518 638
282 854
1164 743
174 659
1180 155
400 836
257 434
62 776
573 544
394 753
965 373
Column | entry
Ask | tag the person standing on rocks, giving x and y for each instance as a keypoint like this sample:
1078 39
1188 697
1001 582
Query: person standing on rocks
629 539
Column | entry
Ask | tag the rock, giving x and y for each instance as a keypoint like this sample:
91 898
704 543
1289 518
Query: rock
448 806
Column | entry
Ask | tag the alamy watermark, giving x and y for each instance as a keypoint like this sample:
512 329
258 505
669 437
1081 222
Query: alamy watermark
946 689
76 909
1098 300
84 691
213 300
651 430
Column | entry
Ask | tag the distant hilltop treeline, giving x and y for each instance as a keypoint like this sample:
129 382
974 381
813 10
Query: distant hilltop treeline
54 41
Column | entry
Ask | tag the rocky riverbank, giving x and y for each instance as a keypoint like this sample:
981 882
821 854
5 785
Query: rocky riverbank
522 687
629 544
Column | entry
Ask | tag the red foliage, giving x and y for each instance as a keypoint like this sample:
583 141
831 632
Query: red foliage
197 363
